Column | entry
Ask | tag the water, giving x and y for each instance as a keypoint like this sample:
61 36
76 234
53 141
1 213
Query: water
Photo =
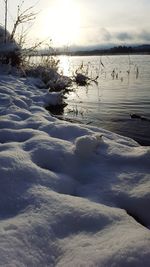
123 88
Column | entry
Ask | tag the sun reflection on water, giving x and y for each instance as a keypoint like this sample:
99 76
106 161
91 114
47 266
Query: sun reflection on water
65 65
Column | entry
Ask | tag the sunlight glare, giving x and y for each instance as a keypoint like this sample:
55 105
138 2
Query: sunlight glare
64 65
61 22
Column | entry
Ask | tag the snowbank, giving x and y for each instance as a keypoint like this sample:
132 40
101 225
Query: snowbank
70 195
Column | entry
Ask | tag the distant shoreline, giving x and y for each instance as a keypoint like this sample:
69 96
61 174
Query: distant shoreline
118 50
74 54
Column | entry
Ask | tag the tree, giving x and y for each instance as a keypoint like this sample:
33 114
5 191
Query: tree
24 16
6 12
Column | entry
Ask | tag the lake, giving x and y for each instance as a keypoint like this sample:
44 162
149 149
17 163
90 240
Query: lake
122 89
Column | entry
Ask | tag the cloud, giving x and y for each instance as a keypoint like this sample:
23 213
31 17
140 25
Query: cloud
141 36
144 35
105 34
96 35
124 36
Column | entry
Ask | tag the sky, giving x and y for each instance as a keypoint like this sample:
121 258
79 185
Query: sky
86 22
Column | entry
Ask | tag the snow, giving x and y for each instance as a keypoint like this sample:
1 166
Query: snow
70 194
86 145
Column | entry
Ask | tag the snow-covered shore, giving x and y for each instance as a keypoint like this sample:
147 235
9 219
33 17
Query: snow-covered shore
70 195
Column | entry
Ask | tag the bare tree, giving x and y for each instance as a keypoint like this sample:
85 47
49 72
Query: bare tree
6 12
25 16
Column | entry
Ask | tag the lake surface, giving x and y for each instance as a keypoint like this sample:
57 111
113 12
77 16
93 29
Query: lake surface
122 88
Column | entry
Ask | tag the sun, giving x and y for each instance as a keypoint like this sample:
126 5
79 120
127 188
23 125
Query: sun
61 22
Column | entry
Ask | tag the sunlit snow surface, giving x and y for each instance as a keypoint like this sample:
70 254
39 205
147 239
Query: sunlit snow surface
70 195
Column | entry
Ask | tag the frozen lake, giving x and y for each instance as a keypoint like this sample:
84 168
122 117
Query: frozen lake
123 88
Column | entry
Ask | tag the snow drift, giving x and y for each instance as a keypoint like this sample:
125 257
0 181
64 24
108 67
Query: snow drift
70 195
